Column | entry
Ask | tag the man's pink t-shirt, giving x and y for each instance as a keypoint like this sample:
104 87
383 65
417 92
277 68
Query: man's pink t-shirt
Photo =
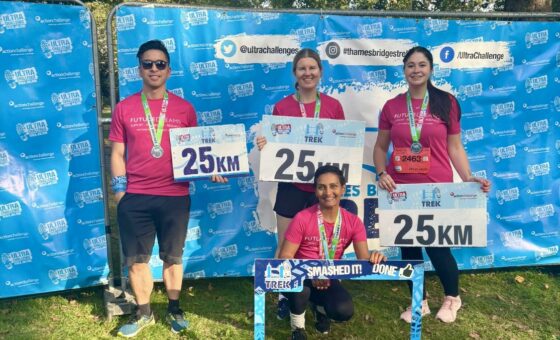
434 133
304 230
146 174
289 106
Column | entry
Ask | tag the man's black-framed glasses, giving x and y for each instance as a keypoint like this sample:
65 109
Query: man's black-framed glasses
148 64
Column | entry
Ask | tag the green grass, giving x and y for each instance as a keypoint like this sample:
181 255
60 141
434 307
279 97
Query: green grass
495 306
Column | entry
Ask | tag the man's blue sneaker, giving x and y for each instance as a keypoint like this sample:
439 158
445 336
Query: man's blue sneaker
177 321
283 309
136 324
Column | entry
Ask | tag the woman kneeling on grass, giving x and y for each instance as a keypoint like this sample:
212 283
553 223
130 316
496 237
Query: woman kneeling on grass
324 223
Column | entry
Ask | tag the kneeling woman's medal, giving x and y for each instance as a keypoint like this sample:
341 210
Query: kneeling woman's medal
157 151
416 147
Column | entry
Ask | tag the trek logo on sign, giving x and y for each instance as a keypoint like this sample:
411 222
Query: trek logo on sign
12 21
52 228
94 244
36 180
314 133
16 258
66 99
88 197
22 76
126 22
279 277
63 274
194 18
431 198
56 46
76 149
10 209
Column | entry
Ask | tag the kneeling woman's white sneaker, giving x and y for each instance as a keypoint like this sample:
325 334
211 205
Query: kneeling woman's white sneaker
448 311
407 314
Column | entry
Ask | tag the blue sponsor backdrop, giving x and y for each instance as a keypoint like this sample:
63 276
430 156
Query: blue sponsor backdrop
511 129
52 227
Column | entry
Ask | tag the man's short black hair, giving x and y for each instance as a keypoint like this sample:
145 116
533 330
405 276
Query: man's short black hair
325 169
153 45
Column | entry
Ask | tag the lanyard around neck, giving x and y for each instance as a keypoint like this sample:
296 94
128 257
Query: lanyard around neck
156 135
302 107
324 244
416 128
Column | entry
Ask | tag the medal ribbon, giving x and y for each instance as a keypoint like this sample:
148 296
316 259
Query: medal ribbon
302 107
415 129
156 135
324 244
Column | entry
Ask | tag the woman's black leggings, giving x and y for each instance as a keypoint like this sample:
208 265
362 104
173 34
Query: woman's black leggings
444 263
336 300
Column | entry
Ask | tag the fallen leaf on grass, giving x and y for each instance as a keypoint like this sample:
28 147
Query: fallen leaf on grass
367 317
494 317
190 291
519 279
546 286
474 335
463 290
501 298
477 295
394 289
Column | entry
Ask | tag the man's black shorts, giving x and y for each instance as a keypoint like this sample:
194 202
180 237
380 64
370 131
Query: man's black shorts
142 217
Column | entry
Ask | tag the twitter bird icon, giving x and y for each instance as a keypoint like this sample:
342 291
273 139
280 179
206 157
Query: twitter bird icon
228 48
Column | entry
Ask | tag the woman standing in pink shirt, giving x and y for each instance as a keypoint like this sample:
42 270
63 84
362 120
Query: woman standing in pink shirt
424 121
306 102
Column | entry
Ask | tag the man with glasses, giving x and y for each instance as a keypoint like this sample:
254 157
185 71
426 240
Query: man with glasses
149 201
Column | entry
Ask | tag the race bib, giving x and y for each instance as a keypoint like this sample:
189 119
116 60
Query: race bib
407 162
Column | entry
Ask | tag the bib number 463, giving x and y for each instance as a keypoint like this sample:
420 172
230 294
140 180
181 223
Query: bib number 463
426 234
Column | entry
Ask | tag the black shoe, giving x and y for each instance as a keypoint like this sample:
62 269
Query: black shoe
299 334
322 322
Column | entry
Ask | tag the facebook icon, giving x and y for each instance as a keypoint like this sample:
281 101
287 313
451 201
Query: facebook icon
447 54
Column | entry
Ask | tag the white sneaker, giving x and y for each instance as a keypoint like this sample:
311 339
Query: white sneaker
448 311
407 314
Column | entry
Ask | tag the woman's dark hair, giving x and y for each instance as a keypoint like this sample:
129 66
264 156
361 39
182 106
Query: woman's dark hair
326 169
306 53
440 101
153 45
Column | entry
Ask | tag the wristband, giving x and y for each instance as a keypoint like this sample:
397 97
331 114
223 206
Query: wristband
381 174
118 184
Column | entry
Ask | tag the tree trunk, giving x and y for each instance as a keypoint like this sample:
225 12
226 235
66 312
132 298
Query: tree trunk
528 6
